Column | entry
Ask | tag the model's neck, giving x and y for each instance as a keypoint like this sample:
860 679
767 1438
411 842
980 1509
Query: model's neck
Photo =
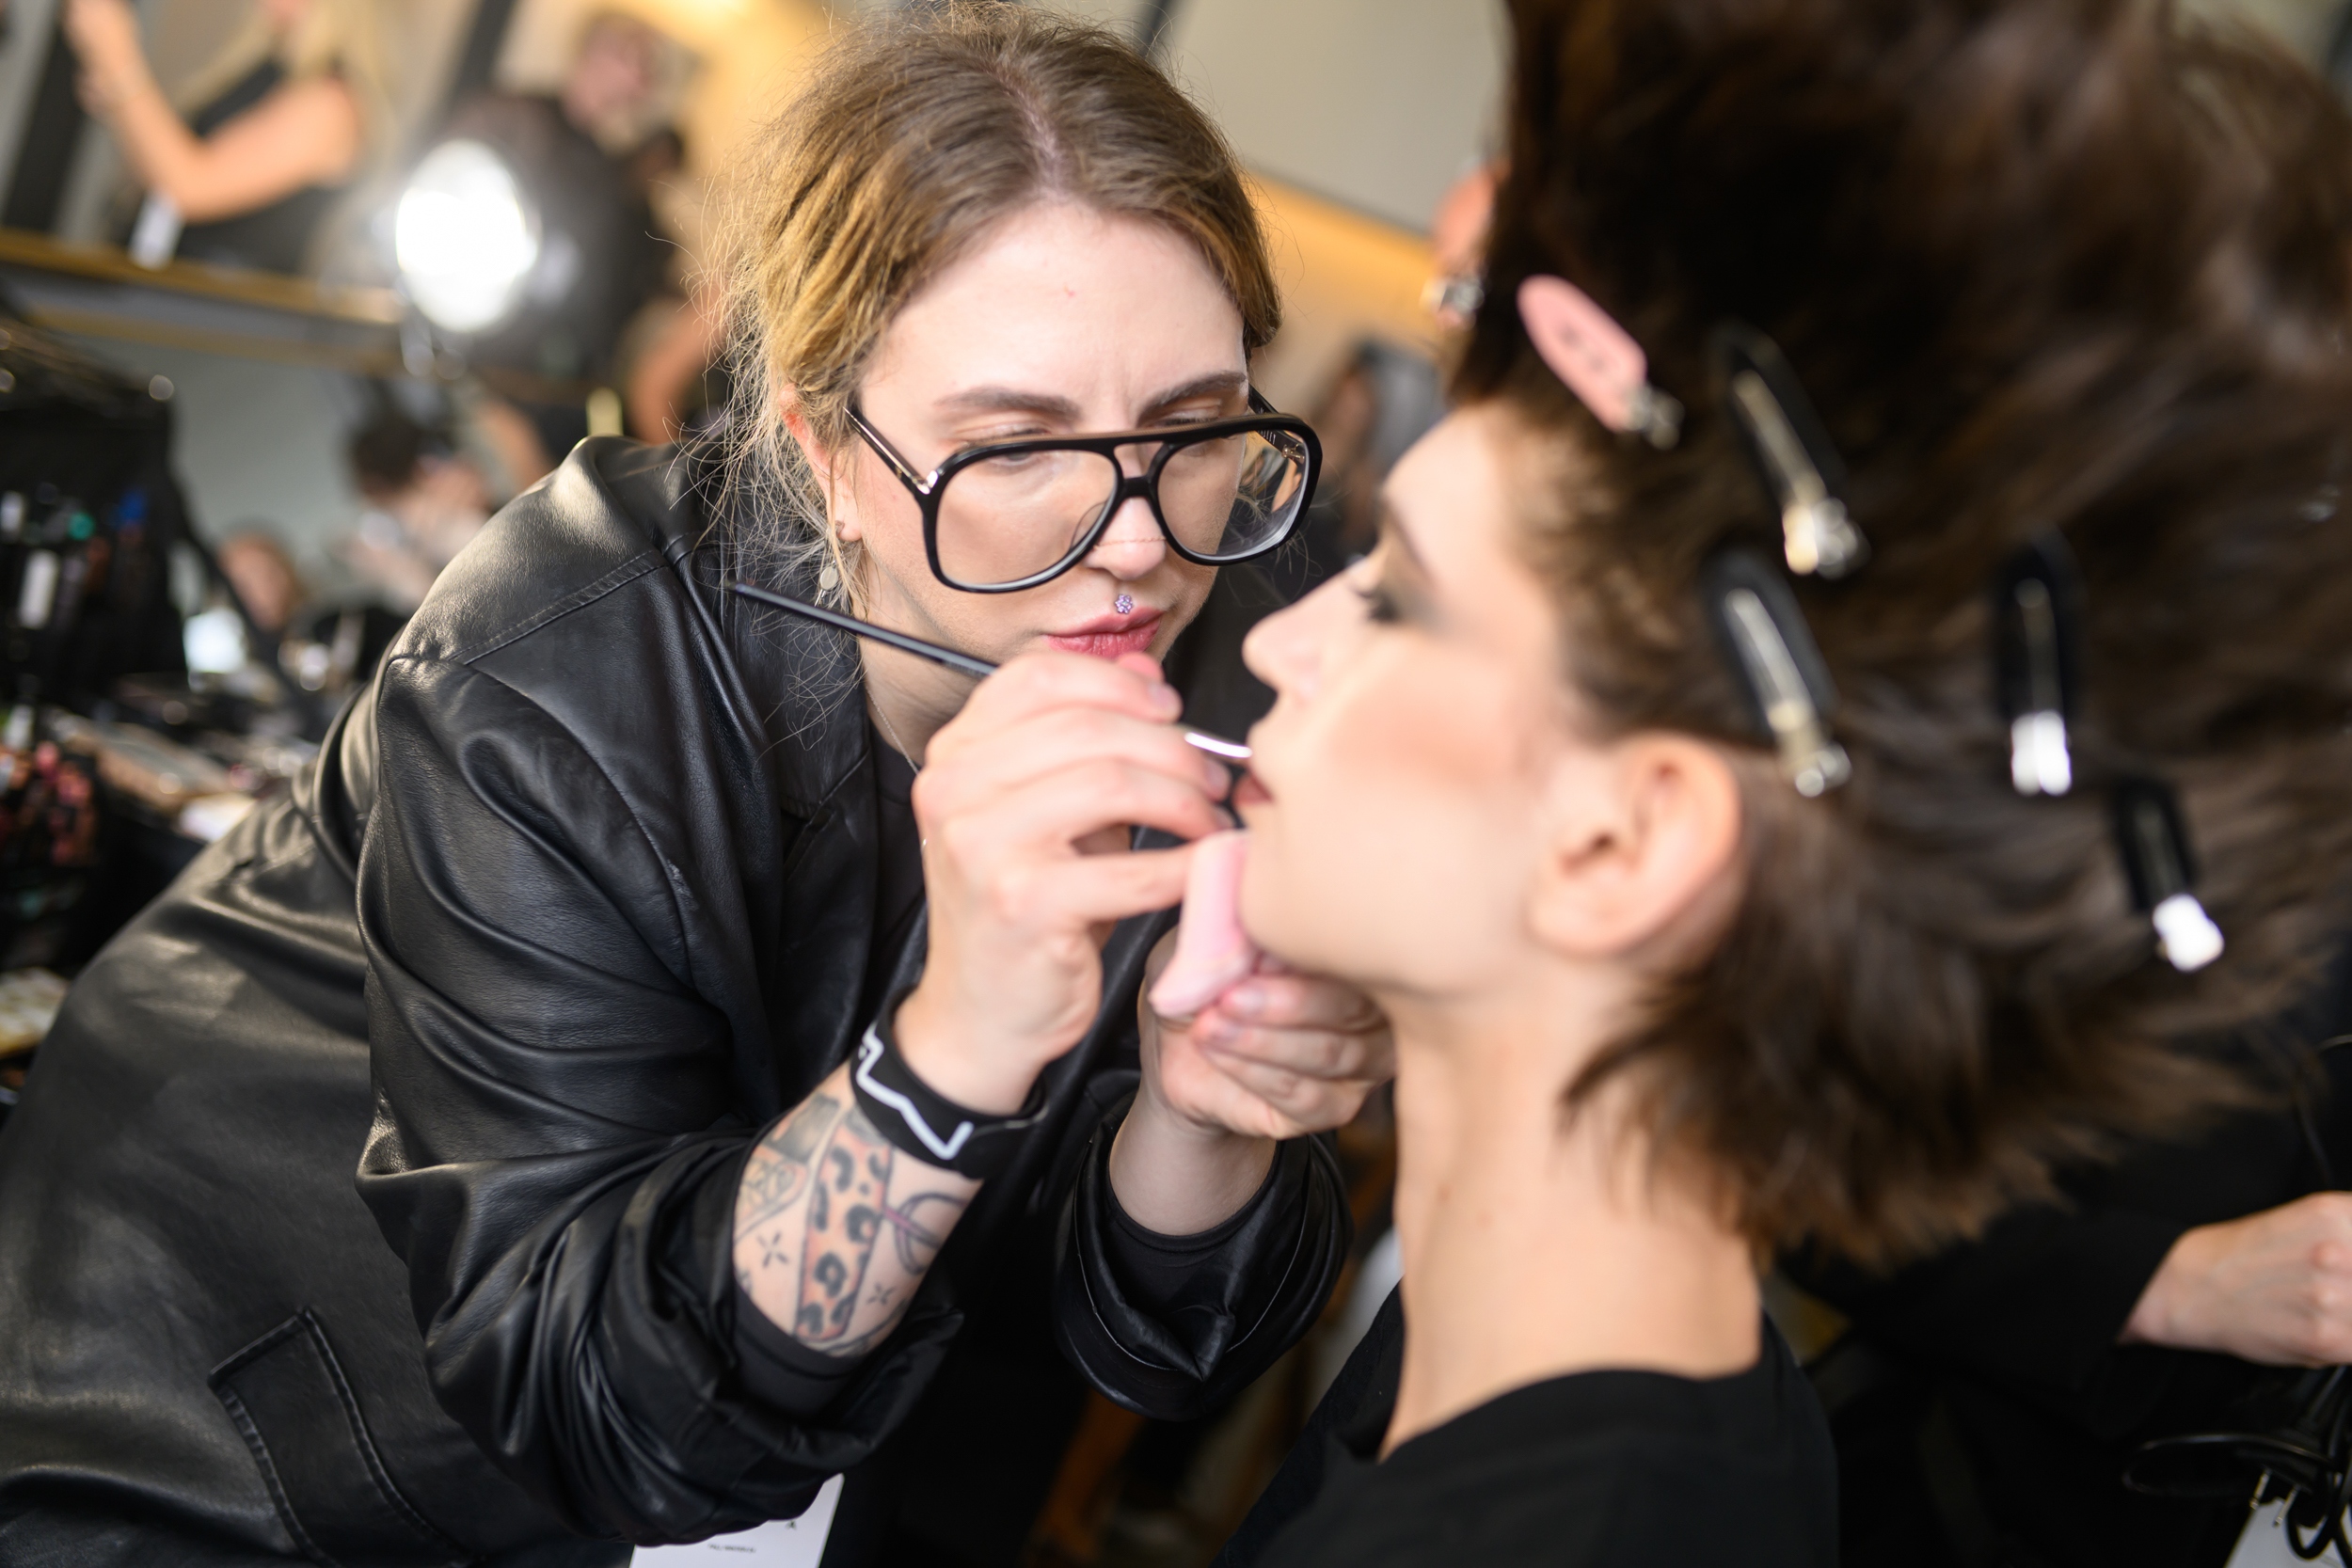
1539 1243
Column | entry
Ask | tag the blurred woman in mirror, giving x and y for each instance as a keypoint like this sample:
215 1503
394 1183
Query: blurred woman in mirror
246 164
1837 362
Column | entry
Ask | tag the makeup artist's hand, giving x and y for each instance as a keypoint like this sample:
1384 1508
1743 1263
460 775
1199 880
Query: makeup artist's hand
1023 802
1278 1055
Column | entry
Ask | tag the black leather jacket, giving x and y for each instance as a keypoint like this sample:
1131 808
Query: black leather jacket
613 841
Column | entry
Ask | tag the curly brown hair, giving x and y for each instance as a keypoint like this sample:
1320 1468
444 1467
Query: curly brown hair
2065 265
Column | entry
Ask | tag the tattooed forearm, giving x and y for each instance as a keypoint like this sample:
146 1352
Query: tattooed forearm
777 1174
819 1194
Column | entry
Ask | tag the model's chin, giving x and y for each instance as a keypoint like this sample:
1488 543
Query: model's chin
1267 906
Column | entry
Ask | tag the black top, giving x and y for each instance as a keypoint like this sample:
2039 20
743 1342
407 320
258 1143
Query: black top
2005 1350
577 900
267 239
1614 1469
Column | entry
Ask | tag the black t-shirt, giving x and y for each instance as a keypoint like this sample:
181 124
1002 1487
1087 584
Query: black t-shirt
1616 1468
270 238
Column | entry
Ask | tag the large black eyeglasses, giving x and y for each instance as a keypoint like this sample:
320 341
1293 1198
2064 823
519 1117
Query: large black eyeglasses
1012 515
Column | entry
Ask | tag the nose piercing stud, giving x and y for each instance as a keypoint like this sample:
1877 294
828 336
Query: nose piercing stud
1124 604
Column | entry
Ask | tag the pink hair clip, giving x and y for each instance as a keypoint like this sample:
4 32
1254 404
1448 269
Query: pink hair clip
1598 360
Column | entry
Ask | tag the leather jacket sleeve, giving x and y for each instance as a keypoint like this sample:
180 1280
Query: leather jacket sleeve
558 1140
554 1154
1173 1328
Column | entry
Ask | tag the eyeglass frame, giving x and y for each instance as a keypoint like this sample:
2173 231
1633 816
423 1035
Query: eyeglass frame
927 488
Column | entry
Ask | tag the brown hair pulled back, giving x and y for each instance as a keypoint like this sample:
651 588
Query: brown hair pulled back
912 138
2042 265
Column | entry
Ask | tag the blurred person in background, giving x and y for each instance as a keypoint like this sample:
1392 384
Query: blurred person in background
1993 1397
264 579
1457 243
273 127
584 158
677 383
425 501
323 645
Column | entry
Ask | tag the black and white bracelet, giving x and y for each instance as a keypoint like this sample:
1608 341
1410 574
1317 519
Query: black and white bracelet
913 1117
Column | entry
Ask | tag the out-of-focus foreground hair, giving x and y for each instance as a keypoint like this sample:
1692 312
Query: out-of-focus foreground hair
2041 265
915 135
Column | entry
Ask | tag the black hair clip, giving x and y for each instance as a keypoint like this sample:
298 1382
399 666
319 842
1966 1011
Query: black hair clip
2037 612
1791 450
1764 634
2154 841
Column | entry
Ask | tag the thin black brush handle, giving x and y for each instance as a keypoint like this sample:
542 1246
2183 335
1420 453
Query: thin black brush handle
856 627
1216 745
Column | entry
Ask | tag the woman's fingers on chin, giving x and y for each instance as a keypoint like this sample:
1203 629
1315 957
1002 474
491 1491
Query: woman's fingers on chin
1275 1085
1304 1002
1309 1053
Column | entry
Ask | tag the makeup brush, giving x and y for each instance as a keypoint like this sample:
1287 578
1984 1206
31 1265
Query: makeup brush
1216 746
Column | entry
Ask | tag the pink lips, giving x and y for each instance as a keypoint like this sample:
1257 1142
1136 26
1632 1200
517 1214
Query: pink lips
1110 636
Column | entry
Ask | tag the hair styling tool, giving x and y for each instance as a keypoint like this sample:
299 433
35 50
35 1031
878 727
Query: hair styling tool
1791 450
2154 841
1767 642
1216 746
2036 649
1598 360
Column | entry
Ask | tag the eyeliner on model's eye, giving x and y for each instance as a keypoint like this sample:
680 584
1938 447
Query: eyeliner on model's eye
1383 607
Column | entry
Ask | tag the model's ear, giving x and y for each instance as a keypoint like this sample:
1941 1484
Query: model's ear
1643 852
821 462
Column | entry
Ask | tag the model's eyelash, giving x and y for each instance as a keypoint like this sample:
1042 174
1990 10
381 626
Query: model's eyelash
1384 609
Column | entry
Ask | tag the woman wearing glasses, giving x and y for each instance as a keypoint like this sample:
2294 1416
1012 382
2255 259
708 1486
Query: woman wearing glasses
733 1015
1851 708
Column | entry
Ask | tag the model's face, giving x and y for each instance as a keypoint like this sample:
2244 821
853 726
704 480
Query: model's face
1420 717
285 15
1065 322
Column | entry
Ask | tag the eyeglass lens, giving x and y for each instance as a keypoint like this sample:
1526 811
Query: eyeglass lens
1011 516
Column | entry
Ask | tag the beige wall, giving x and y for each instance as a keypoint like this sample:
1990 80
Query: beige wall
1344 277
1377 104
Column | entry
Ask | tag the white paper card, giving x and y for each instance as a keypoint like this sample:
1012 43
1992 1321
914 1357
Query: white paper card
2265 1543
778 1543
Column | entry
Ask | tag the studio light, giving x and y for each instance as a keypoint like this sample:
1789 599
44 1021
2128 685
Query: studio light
464 237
